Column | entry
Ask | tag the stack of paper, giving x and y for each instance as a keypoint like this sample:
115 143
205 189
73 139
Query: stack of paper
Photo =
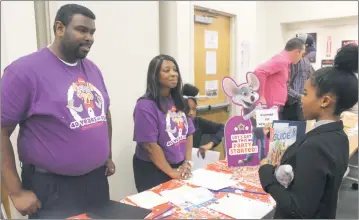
211 179
240 207
147 199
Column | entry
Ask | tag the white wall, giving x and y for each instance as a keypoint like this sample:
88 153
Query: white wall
279 13
15 44
338 29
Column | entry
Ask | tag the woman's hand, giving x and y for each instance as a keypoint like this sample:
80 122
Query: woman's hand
183 172
186 170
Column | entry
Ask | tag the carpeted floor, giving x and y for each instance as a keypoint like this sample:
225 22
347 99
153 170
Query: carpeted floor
348 197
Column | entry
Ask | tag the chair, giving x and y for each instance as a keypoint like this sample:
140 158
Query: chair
355 184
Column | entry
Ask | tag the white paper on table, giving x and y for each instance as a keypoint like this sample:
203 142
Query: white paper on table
199 162
176 195
184 194
211 62
240 207
210 39
147 199
266 116
211 179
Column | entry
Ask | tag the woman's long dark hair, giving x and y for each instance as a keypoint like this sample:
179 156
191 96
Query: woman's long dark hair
153 90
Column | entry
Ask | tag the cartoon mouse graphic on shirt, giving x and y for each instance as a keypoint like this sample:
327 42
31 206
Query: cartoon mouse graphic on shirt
90 98
180 123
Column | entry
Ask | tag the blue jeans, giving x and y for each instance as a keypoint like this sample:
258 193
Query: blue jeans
261 146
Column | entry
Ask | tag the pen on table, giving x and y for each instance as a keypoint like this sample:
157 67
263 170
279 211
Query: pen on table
250 191
239 189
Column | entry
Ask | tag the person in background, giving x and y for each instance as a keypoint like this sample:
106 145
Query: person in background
320 160
299 73
162 130
273 75
202 126
59 99
310 48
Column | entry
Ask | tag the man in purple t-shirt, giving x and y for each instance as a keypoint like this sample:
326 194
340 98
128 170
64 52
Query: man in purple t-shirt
59 99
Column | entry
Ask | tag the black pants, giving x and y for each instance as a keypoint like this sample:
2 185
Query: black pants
293 112
147 175
65 196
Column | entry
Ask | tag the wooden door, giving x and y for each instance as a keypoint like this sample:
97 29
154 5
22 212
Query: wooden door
220 24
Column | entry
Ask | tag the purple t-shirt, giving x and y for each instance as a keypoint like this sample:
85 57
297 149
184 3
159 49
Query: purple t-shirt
61 110
169 130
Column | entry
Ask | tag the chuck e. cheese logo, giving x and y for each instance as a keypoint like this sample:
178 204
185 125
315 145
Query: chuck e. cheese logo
86 104
176 127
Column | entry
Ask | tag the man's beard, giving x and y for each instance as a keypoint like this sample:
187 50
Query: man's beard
72 53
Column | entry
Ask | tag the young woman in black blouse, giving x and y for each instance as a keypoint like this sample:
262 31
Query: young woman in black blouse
320 159
203 126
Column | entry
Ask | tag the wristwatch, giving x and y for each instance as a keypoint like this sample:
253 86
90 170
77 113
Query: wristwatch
190 162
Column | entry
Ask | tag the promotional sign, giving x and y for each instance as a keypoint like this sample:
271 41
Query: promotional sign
329 46
326 63
266 116
245 142
345 42
239 141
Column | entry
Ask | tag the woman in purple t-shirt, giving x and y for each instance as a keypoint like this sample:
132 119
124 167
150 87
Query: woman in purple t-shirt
162 130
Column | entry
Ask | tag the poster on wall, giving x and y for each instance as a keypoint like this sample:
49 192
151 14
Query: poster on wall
211 88
327 63
245 141
328 52
211 62
245 56
311 53
345 42
210 39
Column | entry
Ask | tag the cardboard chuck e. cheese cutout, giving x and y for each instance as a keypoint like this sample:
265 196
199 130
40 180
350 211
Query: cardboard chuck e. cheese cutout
247 146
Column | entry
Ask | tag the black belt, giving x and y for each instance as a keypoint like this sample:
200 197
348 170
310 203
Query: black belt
35 168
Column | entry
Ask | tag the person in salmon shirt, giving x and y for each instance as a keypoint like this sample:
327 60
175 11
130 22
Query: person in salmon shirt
274 74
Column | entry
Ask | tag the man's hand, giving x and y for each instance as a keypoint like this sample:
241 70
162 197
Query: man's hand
26 202
202 149
263 101
110 168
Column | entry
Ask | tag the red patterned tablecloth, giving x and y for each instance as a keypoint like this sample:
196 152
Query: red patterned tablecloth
246 177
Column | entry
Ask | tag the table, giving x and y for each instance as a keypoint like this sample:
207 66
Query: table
349 120
245 176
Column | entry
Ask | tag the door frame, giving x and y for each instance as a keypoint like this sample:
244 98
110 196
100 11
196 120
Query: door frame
232 49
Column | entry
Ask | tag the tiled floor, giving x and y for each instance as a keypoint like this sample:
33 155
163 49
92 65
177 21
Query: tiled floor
348 198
